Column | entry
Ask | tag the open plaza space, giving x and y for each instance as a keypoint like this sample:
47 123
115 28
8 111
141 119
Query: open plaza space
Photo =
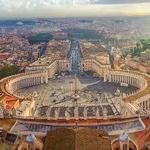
67 94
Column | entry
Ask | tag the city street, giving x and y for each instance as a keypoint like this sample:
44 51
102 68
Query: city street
75 57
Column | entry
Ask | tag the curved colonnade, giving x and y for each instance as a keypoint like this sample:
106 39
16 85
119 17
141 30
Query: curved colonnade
25 80
36 75
137 100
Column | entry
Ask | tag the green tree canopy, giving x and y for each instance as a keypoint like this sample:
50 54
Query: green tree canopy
8 70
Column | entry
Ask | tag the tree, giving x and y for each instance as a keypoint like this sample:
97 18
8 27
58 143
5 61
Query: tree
8 70
124 54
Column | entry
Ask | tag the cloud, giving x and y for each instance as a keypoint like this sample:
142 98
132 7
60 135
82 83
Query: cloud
117 1
67 8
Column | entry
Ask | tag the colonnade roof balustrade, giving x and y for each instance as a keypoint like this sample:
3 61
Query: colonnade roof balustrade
4 82
142 93
139 94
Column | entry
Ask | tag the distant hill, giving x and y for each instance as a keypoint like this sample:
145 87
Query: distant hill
12 23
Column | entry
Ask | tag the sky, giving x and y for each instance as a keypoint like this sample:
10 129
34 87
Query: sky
72 8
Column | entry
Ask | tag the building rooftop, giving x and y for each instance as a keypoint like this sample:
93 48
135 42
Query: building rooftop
77 139
89 50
